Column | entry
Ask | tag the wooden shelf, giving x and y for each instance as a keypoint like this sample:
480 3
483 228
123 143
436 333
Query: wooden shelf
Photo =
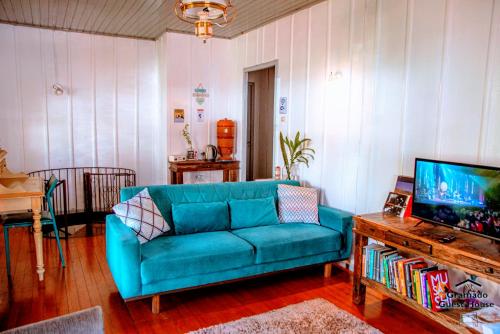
470 253
448 318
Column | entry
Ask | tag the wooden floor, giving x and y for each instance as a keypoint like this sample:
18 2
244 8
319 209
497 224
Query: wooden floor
86 281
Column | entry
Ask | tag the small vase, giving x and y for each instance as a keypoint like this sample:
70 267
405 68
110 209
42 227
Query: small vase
190 154
294 173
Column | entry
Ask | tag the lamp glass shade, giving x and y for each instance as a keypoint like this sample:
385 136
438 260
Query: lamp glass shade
214 8
203 29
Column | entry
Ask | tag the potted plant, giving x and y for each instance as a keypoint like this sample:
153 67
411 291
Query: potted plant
189 142
294 153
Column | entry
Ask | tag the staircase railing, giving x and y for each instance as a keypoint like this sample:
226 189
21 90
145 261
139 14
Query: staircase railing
86 194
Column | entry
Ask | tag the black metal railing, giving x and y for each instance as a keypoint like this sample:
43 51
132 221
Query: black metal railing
87 194
102 190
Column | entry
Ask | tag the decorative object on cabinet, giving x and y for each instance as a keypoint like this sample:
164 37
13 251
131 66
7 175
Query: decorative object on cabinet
230 169
211 153
295 152
277 173
187 137
204 14
396 204
225 138
175 158
404 185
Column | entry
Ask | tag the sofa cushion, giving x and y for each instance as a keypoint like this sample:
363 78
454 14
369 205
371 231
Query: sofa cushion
297 204
165 195
290 241
141 214
253 212
193 254
200 217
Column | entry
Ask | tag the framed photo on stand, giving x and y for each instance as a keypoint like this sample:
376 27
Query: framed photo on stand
396 204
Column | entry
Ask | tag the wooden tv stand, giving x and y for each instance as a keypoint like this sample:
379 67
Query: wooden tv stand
471 253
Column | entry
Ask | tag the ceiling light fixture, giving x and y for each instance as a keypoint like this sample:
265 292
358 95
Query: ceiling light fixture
204 14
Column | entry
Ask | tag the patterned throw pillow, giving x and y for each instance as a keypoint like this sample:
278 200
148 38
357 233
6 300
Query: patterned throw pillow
142 216
297 204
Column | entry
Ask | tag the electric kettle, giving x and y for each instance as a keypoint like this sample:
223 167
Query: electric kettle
211 153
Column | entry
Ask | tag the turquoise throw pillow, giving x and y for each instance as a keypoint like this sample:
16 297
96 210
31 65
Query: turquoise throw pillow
253 212
200 217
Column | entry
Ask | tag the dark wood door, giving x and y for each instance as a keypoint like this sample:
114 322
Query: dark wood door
260 124
250 129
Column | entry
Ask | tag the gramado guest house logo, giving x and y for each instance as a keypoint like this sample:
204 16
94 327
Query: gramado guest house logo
468 295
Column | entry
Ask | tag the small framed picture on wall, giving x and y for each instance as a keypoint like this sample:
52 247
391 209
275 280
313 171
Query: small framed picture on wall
178 115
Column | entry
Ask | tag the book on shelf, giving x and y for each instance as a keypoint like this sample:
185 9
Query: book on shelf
425 287
439 285
410 287
410 277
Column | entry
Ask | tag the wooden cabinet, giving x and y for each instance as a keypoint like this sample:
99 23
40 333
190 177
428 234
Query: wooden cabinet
230 169
470 253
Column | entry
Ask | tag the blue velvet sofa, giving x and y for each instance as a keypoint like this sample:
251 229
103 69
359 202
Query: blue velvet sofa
175 262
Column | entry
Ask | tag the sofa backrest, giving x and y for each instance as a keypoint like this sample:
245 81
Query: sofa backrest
165 195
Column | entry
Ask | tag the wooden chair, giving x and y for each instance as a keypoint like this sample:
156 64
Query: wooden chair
25 220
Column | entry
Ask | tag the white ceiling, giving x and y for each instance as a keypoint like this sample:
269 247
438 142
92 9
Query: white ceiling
147 19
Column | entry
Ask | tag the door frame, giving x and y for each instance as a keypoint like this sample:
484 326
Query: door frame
263 66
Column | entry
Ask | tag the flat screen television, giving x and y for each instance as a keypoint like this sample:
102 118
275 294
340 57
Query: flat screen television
462 196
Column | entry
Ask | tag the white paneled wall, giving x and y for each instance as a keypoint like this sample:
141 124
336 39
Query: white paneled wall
373 84
108 115
186 62
376 83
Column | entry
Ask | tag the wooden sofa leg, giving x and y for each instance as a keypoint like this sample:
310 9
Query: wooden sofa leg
328 270
155 307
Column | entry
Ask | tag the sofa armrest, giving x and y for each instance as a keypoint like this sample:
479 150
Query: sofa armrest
340 221
123 253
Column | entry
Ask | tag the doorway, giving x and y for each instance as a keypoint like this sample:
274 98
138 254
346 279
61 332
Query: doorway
260 123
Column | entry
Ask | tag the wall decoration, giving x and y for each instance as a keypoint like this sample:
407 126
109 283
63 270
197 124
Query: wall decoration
200 94
283 105
200 115
178 115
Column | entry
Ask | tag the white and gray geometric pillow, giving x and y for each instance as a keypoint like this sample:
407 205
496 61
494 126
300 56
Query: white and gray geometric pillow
297 204
142 216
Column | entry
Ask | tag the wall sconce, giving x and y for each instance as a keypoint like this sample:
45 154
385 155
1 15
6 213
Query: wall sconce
57 89
335 76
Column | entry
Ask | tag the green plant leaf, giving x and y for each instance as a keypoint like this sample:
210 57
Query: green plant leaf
283 142
304 161
294 151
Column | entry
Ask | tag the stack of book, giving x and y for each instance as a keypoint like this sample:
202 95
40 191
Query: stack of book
411 277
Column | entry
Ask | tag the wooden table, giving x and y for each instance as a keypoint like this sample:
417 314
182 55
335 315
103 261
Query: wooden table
471 253
14 202
230 169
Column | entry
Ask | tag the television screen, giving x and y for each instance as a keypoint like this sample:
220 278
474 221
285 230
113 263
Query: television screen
458 195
